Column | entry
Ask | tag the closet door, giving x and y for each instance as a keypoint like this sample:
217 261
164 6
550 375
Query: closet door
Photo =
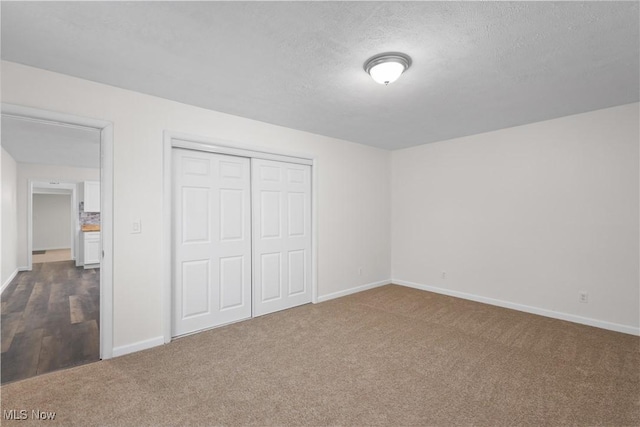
212 240
281 194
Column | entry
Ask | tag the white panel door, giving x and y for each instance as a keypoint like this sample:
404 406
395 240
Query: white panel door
212 240
281 194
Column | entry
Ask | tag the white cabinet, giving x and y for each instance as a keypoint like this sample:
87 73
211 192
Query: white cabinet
92 249
92 196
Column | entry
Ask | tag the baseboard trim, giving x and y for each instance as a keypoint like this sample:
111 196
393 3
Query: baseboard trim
50 249
6 283
626 329
350 291
138 346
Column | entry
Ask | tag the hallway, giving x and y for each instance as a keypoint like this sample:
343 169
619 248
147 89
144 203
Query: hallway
50 320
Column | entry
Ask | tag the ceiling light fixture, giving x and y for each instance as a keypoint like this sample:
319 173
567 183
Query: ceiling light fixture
387 67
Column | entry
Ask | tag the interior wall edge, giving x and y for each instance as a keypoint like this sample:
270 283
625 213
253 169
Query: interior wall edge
9 217
626 329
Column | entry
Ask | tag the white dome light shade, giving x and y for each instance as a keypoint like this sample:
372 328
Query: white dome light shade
387 72
386 68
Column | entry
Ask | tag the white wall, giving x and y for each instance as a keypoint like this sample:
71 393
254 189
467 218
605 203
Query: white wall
353 188
2 280
46 173
9 264
529 215
51 221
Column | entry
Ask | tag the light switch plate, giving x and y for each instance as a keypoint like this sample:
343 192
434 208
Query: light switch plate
136 226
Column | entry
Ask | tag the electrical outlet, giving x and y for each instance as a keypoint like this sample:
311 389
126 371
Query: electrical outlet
136 226
583 296
444 274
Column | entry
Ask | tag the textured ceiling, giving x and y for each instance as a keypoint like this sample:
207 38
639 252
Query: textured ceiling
477 66
47 144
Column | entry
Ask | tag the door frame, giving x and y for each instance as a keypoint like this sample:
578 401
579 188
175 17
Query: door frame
173 139
52 187
106 199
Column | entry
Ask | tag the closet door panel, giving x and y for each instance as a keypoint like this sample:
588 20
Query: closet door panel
281 208
212 240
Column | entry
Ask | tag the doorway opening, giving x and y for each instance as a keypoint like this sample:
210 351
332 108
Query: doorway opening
57 308
53 222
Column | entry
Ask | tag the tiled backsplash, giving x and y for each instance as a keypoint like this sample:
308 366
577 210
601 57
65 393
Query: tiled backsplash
87 218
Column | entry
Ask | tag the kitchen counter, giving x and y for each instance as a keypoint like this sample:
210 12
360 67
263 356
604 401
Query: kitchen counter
90 227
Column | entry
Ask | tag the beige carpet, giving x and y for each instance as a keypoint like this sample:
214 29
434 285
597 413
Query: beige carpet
54 255
389 356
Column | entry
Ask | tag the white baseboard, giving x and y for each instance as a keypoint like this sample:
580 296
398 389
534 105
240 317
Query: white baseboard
6 283
138 346
353 290
526 308
50 249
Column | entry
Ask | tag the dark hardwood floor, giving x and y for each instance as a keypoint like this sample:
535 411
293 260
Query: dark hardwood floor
50 320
